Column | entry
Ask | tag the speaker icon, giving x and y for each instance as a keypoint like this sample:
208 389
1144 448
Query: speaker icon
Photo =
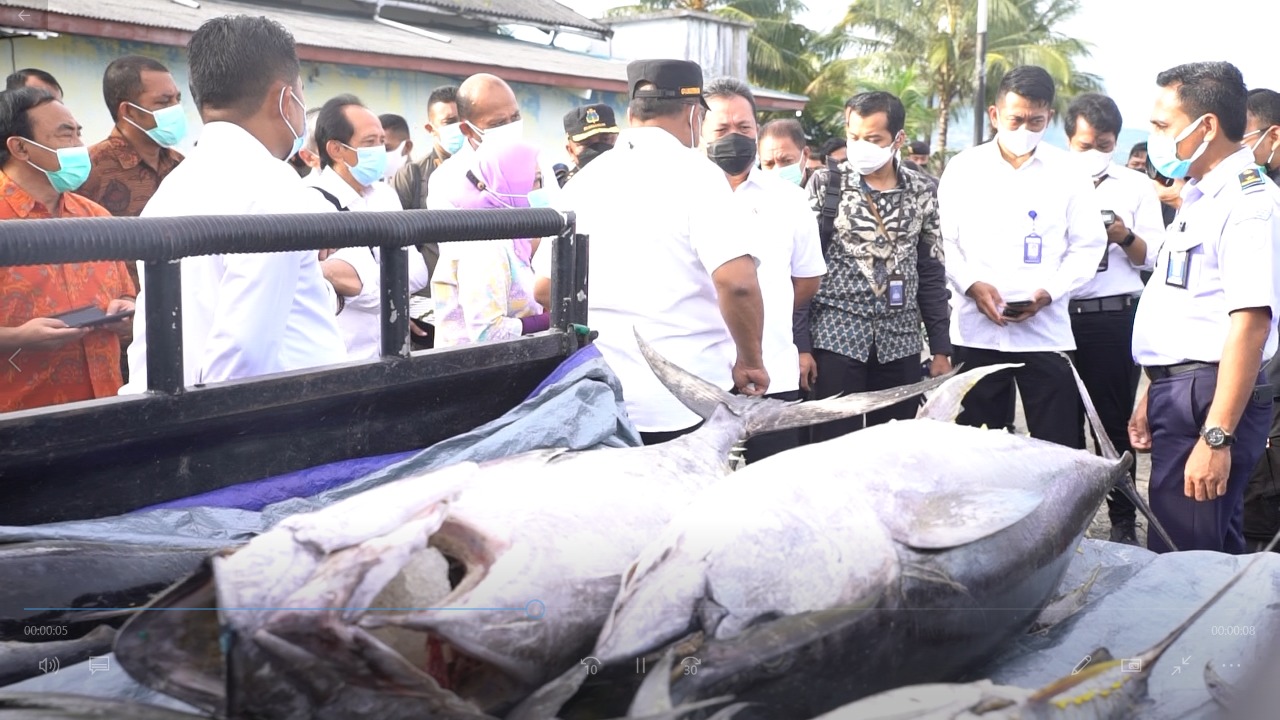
49 665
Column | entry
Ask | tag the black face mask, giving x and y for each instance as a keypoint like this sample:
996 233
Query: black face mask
592 151
733 153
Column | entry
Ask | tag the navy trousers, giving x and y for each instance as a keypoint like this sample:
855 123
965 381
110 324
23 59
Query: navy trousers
1176 410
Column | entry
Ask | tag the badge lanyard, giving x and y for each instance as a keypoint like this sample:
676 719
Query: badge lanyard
1032 244
1178 272
897 282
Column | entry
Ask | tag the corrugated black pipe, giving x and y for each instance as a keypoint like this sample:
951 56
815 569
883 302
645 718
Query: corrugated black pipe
37 242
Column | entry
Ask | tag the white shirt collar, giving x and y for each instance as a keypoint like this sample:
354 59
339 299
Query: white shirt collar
1216 179
329 180
232 140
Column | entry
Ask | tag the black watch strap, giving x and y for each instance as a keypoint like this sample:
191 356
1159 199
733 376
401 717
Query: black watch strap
1128 239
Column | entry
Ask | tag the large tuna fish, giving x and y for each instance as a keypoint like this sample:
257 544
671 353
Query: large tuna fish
907 552
537 545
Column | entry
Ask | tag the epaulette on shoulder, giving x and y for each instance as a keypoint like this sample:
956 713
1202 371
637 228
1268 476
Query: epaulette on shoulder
1252 180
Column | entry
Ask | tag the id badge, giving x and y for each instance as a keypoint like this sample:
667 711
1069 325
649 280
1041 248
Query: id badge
1031 249
1106 259
1178 272
897 292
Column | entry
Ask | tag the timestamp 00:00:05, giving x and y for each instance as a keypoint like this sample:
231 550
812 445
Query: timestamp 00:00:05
45 630
1234 630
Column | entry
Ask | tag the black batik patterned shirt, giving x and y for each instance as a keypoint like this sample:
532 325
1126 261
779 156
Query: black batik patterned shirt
850 314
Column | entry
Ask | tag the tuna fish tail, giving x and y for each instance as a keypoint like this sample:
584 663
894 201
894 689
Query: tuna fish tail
945 405
762 415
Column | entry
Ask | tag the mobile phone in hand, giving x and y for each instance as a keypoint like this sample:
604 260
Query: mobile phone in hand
90 316
1154 174
1015 308
1108 218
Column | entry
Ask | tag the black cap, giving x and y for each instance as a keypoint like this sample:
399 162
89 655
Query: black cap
671 79
919 147
581 123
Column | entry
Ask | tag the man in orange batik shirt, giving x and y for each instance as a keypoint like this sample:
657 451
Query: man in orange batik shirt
42 360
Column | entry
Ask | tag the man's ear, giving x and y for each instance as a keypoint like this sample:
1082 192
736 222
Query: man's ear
993 116
1212 126
470 134
408 148
17 148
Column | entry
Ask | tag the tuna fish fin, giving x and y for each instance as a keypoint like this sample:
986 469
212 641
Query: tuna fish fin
1108 450
548 700
945 404
765 415
939 519
654 695
933 575
1220 690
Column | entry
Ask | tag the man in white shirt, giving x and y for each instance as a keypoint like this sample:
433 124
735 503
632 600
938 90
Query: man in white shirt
252 314
1206 323
791 265
1102 310
351 145
671 253
1021 232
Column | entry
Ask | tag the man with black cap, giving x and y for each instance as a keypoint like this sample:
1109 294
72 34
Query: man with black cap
590 131
671 255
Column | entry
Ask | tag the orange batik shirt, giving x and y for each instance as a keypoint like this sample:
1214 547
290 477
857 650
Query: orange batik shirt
82 369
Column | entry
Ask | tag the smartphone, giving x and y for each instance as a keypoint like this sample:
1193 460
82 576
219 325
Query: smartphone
1154 174
1014 308
1108 218
90 316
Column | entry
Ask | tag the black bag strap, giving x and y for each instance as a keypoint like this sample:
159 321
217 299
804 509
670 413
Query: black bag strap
830 206
333 199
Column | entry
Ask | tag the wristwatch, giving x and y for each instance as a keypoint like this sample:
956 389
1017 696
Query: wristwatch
1128 239
1216 437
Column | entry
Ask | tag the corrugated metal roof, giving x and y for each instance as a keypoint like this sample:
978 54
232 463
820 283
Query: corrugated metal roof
539 12
360 35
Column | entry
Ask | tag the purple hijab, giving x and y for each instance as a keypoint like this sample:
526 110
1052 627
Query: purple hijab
507 170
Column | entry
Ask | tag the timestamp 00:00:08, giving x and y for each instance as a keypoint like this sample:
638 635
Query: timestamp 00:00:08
1236 630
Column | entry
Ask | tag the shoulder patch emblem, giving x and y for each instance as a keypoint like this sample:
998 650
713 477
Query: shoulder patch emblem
1251 180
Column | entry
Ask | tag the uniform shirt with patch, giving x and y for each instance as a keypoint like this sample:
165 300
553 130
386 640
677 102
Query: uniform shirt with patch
850 314
1229 229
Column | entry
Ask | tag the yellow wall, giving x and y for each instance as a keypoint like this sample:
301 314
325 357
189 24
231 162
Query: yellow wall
78 63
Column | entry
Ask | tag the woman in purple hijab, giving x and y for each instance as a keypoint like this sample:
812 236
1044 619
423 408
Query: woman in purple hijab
483 290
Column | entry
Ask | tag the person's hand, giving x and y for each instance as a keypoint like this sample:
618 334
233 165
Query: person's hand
941 365
1206 472
46 334
1139 431
1039 300
124 326
808 371
324 253
988 301
415 330
1117 231
750 380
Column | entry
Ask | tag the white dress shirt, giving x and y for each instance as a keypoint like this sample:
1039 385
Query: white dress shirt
788 246
985 207
242 315
360 319
661 218
1229 227
1131 196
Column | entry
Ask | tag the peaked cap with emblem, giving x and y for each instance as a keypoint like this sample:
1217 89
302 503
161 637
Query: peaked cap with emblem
671 80
581 123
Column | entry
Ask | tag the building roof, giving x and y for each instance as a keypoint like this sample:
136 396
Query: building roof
547 14
675 13
349 39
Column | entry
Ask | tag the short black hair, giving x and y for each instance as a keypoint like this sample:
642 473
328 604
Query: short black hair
332 124
1211 87
724 87
1028 81
1100 111
234 59
19 79
1138 148
123 80
644 109
1264 104
789 128
869 103
832 145
446 94
15 109
394 123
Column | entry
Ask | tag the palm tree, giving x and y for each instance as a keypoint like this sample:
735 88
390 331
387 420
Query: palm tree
778 55
936 38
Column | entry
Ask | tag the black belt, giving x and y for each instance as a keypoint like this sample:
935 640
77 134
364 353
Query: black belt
1113 303
1159 372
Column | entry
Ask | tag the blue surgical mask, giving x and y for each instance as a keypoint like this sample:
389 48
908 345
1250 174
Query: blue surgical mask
171 125
371 162
1163 152
73 167
299 138
539 199
451 137
791 173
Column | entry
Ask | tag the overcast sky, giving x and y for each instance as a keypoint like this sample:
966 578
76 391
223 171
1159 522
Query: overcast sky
1132 41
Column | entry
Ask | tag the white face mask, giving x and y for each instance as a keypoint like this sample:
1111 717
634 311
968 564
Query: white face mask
1095 162
395 160
1019 142
509 133
866 157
